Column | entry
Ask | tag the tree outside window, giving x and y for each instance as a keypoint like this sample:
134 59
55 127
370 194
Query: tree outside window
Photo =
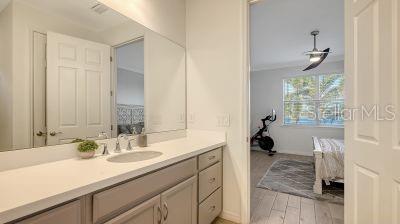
316 100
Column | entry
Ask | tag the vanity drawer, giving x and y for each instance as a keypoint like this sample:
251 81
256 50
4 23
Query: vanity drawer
66 214
209 158
210 179
210 208
122 197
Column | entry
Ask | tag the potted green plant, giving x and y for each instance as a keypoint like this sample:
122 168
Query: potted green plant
87 149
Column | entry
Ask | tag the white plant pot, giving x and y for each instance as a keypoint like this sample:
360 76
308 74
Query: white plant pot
86 155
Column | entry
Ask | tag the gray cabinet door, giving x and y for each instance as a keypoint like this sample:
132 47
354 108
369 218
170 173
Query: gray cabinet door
148 212
66 214
179 204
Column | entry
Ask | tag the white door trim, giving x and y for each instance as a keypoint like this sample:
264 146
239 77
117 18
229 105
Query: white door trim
114 82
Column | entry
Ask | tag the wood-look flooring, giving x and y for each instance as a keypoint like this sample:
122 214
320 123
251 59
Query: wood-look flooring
269 207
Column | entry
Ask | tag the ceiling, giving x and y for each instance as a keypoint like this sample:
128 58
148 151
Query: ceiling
280 31
131 57
80 12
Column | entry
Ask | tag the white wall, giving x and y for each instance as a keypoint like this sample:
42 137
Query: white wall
216 77
267 93
161 16
130 87
6 78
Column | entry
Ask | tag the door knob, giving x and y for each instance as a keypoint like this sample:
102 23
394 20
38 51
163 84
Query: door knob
41 134
53 133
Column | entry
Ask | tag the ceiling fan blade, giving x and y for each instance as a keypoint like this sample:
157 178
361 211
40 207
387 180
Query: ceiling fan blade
316 64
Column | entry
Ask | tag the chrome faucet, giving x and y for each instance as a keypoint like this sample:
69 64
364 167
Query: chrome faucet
103 135
134 135
118 146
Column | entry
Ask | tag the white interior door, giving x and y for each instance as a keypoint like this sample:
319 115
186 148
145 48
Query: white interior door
372 160
78 88
39 89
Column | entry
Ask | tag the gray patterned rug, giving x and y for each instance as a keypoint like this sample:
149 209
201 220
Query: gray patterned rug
297 178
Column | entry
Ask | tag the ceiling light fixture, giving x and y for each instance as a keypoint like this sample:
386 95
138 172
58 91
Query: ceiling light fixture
316 56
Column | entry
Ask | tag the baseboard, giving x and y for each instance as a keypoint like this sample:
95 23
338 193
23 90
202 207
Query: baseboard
300 153
230 216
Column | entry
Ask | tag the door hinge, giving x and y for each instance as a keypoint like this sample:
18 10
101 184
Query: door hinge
112 127
111 93
111 59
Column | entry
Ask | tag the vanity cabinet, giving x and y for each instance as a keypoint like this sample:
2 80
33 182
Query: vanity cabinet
147 212
210 186
69 213
177 205
188 192
107 203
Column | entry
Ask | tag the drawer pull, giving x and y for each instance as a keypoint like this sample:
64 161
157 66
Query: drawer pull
211 157
212 208
211 180
159 215
166 211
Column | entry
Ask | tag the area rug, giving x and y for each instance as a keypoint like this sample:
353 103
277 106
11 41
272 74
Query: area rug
297 178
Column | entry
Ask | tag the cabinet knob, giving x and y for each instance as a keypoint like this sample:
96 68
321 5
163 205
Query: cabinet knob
211 157
211 180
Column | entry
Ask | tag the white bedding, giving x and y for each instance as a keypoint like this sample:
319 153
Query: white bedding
332 158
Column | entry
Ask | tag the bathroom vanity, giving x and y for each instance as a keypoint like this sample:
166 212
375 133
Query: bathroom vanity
183 185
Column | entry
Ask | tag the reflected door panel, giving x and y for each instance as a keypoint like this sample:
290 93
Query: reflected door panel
78 88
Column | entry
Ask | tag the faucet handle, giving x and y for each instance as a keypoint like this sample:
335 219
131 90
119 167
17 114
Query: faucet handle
103 135
105 150
129 148
117 147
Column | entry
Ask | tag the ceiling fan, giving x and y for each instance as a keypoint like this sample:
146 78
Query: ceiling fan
316 56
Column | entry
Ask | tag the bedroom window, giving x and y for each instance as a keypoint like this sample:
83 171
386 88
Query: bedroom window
314 100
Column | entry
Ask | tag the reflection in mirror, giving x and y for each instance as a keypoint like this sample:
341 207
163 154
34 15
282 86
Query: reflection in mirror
74 69
130 87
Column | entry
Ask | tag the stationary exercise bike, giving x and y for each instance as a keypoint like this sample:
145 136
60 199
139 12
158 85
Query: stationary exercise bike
262 136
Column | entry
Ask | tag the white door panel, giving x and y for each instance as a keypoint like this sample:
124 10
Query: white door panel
372 167
78 88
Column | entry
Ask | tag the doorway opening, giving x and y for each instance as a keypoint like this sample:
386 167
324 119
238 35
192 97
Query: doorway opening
297 101
129 83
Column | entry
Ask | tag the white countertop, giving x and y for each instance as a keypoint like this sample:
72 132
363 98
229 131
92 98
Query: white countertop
31 189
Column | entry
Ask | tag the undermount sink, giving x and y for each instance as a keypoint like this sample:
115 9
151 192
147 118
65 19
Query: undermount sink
134 156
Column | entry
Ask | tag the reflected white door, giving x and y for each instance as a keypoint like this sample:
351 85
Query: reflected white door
78 88
372 160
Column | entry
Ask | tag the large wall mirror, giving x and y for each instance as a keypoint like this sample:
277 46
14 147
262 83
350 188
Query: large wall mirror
75 69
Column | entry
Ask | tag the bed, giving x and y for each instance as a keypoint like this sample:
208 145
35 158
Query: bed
329 161
130 118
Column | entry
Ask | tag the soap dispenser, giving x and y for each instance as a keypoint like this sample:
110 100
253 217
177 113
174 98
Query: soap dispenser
142 139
